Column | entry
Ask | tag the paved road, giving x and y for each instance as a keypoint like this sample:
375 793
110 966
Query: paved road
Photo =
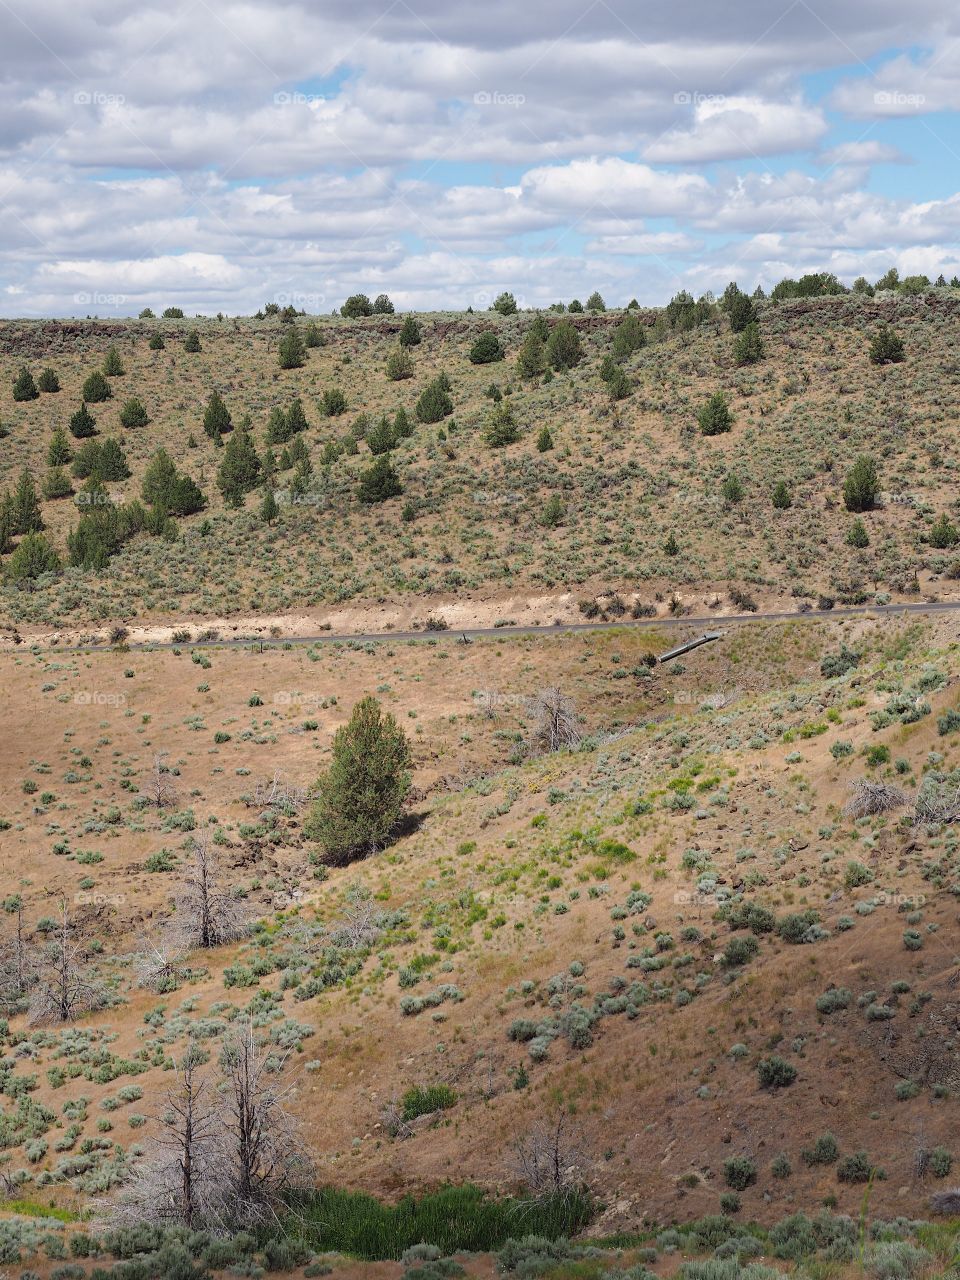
476 633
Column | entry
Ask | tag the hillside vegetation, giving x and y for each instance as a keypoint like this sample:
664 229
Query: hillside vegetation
647 453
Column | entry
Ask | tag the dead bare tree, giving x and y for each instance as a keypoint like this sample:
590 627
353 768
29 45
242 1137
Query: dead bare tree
873 797
64 989
158 968
548 1160
16 971
207 913
360 926
264 1157
181 1177
159 788
277 793
555 716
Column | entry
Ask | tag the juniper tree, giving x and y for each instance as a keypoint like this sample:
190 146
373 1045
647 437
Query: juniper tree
501 428
156 342
26 505
291 351
239 471
192 343
58 451
112 364
382 306
434 403
886 347
216 416
486 349
595 302
361 795
379 482
48 381
312 337
410 335
862 485
24 387
715 417
133 414
564 349
357 305
505 303
399 365
532 356
95 388
83 424
748 346
33 557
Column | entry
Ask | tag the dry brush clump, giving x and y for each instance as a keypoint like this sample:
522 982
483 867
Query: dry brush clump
62 987
871 798
556 726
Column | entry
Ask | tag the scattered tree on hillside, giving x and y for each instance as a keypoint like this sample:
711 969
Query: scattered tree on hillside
486 349
239 472
291 353
564 349
862 485
410 335
505 303
382 306
595 302
361 795
95 388
24 387
357 305
715 417
33 557
379 482
886 347
216 417
112 364
48 381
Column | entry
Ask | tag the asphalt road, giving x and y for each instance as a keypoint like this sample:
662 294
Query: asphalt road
709 621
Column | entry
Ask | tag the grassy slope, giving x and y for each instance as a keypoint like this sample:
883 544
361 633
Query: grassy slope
628 473
505 883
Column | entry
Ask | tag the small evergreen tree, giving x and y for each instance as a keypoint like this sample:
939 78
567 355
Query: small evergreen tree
434 403
268 507
173 313
168 489
58 452
628 337
618 384
33 557
26 505
544 440
334 402
399 365
741 311
24 387
501 428
715 417
382 306
357 305
239 471
48 381
486 349
781 496
381 438
943 534
862 485
56 484
857 535
192 342
360 797
402 424
564 349
552 512
505 303
532 356
671 546
410 335
156 342
83 424
748 345
216 416
133 414
312 337
886 347
112 364
146 314
291 353
96 388
379 482
595 302
732 489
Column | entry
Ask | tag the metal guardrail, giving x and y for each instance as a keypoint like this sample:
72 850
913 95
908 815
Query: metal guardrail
690 644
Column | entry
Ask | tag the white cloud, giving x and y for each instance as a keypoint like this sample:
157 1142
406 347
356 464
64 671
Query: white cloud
734 128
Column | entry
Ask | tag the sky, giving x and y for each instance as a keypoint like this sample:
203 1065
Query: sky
220 155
